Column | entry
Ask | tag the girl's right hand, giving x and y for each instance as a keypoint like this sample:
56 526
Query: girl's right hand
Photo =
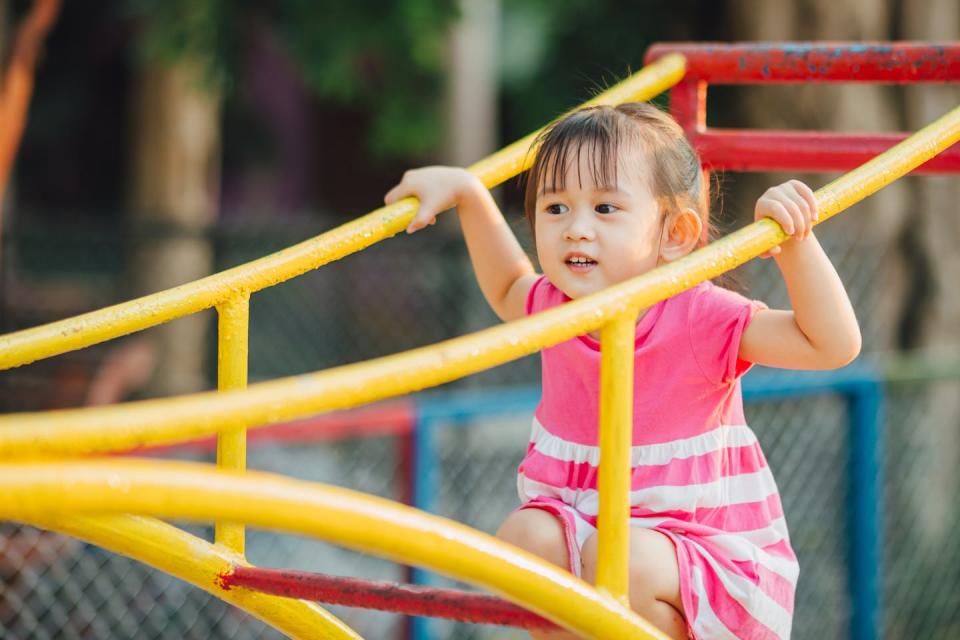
437 188
793 206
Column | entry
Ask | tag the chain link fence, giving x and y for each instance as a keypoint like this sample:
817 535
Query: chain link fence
411 291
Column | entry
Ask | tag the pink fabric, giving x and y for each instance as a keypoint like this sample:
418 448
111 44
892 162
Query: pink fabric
698 473
677 473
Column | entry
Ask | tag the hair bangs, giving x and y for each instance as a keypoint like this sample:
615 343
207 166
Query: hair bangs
587 145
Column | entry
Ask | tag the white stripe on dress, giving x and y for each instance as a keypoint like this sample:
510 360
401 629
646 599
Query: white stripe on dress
706 624
762 607
773 533
764 537
724 491
722 437
739 549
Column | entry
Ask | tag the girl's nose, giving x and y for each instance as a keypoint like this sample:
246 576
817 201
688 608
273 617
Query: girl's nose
580 227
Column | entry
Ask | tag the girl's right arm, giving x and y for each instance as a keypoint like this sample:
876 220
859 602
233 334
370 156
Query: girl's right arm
503 270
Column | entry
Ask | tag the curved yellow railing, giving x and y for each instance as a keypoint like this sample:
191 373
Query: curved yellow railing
348 518
91 328
168 489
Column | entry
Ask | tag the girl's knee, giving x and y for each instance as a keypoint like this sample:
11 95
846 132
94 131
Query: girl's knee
538 532
654 574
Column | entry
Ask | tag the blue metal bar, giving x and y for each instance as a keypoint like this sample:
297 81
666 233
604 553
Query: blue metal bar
464 406
424 497
772 384
865 508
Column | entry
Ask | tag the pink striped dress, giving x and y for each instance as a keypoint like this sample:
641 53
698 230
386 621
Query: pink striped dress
698 473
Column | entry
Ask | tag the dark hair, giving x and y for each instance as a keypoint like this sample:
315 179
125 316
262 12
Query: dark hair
600 132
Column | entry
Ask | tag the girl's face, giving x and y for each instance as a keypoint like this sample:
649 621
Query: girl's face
592 236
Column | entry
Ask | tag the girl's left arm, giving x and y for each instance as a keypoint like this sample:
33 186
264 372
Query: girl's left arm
821 331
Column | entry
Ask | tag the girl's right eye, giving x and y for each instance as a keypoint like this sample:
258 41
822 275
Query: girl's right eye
556 208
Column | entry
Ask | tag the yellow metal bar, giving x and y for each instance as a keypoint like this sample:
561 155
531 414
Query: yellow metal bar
616 438
233 331
161 422
200 492
91 328
200 563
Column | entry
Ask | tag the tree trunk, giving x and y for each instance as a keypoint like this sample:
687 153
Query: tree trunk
935 198
471 134
472 83
174 201
935 229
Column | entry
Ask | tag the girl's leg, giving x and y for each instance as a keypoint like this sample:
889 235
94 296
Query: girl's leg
654 579
540 533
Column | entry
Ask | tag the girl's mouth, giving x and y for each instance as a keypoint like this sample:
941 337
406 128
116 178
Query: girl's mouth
580 263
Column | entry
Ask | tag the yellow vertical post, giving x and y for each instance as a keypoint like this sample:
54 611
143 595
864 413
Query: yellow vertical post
616 439
232 339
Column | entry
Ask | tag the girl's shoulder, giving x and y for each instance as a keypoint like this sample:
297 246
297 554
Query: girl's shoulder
716 319
543 295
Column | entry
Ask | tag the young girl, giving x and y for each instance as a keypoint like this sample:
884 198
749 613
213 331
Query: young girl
613 193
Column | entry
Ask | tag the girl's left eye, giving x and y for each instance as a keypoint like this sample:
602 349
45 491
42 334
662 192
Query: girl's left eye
605 208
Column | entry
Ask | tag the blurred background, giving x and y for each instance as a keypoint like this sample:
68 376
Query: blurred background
167 140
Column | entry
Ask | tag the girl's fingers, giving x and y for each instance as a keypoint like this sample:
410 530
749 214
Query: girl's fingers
779 213
809 197
426 215
793 206
399 192
418 222
801 220
807 200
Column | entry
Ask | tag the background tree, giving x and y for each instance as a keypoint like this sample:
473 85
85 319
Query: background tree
386 57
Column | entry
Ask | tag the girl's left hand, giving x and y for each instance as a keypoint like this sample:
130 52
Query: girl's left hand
792 205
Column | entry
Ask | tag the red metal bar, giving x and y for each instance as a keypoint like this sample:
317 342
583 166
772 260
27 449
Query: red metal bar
688 105
414 600
761 62
746 150
386 419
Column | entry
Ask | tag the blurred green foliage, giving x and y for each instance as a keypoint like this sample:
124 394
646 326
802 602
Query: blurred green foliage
556 55
388 57
384 56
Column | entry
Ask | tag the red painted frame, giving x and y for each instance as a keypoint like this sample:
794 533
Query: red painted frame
408 599
762 63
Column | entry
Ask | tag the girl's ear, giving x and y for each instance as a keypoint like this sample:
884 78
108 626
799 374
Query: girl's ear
681 234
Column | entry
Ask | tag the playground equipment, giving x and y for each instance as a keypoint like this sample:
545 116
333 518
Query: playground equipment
88 500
